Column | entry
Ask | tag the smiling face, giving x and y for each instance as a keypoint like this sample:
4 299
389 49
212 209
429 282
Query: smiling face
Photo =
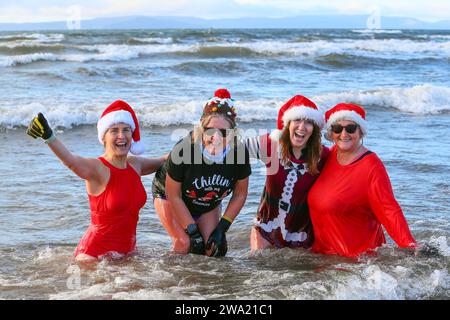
212 137
347 142
117 139
299 132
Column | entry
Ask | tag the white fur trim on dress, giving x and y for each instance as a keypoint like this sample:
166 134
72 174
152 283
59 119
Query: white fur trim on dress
114 117
280 220
348 115
304 112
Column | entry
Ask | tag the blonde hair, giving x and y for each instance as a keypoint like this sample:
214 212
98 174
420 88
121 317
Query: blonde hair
313 148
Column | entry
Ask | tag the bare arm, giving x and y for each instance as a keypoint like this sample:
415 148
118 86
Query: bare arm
85 168
150 165
181 212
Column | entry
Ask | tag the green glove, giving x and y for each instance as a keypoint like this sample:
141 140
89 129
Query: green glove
39 127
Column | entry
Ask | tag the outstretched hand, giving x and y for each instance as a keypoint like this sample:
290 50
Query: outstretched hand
39 127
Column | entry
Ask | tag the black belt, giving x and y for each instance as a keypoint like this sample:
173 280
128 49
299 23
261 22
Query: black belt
286 206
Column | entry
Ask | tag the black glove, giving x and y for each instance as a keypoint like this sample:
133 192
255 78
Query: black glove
218 238
39 127
197 244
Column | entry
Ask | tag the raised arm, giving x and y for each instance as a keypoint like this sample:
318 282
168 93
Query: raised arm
85 168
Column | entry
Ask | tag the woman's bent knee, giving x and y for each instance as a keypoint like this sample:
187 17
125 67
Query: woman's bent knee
181 245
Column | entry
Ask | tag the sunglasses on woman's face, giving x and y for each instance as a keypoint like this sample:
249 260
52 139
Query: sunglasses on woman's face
350 128
213 131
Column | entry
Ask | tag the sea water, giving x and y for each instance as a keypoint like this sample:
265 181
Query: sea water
401 77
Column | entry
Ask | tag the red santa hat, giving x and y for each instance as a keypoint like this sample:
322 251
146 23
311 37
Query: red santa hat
347 111
298 107
121 112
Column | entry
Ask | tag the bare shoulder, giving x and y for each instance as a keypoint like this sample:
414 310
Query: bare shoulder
135 163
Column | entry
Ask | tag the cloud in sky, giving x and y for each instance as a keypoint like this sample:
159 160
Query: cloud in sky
47 10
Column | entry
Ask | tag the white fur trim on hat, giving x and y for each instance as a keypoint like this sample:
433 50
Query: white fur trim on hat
304 112
111 118
348 115
137 148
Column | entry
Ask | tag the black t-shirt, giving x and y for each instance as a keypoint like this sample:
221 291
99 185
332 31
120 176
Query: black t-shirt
204 183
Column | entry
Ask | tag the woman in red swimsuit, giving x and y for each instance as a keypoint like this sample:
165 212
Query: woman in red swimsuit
113 181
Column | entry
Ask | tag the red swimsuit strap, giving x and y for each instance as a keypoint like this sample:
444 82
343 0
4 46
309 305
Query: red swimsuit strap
109 165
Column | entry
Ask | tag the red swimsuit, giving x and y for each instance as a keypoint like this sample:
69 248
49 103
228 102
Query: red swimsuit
114 214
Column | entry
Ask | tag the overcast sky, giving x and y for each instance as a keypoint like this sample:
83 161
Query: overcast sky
60 10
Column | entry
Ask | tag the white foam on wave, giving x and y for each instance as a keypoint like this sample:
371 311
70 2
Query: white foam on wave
421 99
9 61
371 48
372 283
113 52
64 115
157 40
109 52
384 48
51 37
372 31
441 244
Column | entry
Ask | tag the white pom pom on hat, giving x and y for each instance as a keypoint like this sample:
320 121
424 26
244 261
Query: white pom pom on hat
121 112
298 107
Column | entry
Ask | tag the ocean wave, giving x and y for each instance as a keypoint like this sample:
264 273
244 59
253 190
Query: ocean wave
110 72
225 51
423 99
372 31
403 50
226 68
10 61
28 48
153 40
51 37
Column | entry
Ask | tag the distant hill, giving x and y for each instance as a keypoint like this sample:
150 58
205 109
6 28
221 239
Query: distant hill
301 22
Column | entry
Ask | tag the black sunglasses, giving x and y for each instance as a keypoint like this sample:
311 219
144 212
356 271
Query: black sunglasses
350 128
213 131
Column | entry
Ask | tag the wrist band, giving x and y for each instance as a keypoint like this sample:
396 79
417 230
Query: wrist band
227 218
52 138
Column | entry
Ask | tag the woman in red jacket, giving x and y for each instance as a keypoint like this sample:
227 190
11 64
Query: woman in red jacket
113 181
353 197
